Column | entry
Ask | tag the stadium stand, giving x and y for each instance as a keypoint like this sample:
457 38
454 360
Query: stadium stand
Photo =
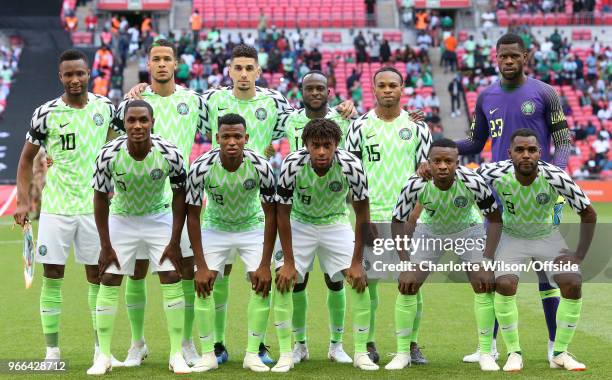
282 13
580 75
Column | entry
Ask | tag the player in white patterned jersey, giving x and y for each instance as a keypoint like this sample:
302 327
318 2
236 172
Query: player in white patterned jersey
235 181
138 165
72 128
528 188
451 202
392 147
179 117
319 178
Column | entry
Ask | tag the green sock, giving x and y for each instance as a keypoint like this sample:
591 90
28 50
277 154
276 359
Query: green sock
300 304
174 307
92 296
336 306
205 318
416 326
405 312
485 319
135 302
257 316
106 310
568 315
373 291
283 309
507 316
50 309
221 295
360 309
189 291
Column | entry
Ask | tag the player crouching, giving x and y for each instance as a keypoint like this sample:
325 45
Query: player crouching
528 189
137 164
238 184
450 211
319 178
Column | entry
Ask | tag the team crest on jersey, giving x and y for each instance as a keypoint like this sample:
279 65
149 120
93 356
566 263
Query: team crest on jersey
405 134
460 202
528 107
278 256
249 184
42 250
98 119
156 174
182 109
261 114
542 198
335 186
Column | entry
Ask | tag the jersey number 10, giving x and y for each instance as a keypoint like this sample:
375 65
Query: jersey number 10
68 141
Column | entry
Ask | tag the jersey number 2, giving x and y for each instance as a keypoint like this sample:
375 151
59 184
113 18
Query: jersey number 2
68 141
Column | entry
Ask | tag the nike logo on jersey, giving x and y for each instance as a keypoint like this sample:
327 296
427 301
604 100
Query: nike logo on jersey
506 194
213 187
491 112
370 136
63 125
171 305
255 334
299 129
120 174
304 187
221 109
363 329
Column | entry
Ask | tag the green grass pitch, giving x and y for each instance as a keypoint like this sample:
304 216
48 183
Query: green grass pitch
448 329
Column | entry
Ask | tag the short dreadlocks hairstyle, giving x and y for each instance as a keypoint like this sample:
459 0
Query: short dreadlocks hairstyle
243 50
321 129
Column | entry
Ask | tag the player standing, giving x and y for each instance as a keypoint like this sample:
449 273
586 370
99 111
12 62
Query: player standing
72 128
320 177
179 114
315 93
238 184
528 188
136 166
391 147
262 109
451 202
514 102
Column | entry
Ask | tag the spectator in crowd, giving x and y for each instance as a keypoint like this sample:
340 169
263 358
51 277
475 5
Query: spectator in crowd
116 86
455 89
196 25
601 147
101 84
91 21
449 57
72 22
385 51
360 45
581 173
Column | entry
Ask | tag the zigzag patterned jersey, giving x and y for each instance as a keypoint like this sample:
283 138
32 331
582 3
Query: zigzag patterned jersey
73 137
293 123
233 203
139 185
261 113
321 200
391 152
450 211
528 210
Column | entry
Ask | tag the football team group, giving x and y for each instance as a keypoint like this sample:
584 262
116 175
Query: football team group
135 203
